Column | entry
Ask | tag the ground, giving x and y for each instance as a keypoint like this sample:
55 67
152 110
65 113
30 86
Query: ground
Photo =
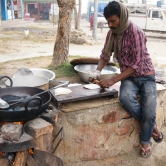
14 45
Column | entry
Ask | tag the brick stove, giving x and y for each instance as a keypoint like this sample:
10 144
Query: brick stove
27 143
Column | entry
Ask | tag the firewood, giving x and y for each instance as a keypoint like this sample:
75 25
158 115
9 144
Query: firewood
44 142
4 162
20 158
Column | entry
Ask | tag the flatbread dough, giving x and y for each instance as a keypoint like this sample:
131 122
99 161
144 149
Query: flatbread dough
92 86
60 91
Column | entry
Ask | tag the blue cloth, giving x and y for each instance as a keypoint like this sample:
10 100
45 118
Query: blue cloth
145 110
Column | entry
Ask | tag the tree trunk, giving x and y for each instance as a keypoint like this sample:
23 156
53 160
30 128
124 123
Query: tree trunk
61 47
143 1
75 17
79 13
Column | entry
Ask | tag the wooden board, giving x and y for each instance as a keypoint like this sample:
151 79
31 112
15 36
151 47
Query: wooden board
80 93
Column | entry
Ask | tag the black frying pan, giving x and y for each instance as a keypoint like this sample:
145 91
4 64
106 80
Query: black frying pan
25 103
25 109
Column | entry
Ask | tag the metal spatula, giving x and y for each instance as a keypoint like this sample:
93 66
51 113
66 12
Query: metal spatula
3 104
23 72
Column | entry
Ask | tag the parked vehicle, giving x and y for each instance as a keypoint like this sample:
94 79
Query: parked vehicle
101 20
156 19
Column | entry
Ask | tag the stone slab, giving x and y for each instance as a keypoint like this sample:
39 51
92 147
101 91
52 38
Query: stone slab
25 142
12 131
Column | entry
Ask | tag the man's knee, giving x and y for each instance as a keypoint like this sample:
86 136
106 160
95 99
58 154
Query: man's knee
127 98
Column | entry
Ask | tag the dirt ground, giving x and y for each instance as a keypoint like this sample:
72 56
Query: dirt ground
13 40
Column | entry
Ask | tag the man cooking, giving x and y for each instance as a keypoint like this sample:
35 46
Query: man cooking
128 43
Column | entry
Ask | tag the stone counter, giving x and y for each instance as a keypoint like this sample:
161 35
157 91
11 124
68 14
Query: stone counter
96 130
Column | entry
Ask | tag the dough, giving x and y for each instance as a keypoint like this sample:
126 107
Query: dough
92 86
60 91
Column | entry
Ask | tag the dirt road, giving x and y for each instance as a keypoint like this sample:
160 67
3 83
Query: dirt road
14 45
40 42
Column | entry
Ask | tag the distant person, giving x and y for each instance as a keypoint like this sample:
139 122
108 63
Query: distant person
91 22
128 43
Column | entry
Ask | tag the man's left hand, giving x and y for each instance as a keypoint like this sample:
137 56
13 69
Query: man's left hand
107 82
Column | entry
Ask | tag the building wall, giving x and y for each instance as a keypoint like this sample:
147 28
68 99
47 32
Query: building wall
152 2
39 1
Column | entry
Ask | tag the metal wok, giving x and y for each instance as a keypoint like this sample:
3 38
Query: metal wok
26 110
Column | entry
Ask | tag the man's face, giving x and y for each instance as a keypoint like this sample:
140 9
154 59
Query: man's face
113 22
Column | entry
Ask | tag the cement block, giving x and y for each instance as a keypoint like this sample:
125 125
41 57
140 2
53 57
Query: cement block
38 127
12 131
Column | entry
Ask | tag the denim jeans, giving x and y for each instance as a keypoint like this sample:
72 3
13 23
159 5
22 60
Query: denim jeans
145 110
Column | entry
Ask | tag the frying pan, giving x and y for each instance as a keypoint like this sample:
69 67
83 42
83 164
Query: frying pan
25 103
23 110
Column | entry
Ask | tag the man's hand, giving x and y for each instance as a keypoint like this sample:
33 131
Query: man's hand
107 82
95 74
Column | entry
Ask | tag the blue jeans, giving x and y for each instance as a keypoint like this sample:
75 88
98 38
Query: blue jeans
145 111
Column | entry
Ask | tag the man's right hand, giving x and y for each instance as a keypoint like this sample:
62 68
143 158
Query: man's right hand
107 82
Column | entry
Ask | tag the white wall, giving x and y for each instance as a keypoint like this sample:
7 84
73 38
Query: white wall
153 2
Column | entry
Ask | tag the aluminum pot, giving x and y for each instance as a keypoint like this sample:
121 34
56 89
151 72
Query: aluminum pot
29 81
83 69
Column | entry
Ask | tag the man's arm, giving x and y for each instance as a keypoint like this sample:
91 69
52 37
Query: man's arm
125 74
101 64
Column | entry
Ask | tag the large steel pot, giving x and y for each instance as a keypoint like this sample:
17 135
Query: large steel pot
29 81
83 71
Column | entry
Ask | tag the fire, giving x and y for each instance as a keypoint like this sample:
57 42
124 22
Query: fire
1 154
31 151
2 123
19 123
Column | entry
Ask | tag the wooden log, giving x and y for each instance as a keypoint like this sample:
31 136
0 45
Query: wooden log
20 158
4 162
44 142
30 161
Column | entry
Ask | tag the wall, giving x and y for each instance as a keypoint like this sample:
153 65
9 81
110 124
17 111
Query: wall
98 129
47 1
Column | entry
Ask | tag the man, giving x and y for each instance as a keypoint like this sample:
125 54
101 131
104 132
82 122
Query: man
91 22
128 43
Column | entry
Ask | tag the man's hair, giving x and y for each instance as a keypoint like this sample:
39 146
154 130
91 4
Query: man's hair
113 8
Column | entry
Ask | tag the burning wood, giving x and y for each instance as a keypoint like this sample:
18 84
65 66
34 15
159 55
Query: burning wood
17 146
31 151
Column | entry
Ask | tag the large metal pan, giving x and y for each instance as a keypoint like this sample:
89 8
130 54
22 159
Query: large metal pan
26 110
25 103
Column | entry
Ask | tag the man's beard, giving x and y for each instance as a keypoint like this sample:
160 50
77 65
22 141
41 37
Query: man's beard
112 28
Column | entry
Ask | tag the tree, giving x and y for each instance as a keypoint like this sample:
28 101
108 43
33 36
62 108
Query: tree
144 1
77 15
61 47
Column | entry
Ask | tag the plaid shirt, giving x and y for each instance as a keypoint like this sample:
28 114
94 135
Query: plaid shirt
133 51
